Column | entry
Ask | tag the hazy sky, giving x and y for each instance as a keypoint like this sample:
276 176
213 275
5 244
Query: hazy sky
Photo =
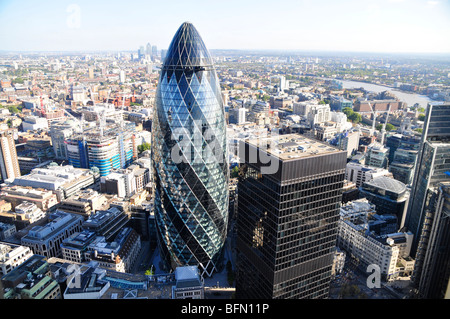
308 25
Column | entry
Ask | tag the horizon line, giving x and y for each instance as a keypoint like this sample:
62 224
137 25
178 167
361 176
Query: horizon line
3 51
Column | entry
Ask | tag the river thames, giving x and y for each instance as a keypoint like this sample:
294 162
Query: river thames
409 98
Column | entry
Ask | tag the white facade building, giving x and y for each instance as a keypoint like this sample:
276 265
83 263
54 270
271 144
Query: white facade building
12 256
31 123
29 211
358 173
358 243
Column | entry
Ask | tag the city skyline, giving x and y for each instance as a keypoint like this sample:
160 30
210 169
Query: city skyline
399 26
289 149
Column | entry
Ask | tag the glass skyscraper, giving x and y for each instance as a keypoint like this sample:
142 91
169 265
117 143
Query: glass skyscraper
190 156
432 167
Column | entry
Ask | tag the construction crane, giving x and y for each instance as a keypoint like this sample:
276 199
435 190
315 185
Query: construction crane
374 113
42 106
383 130
92 96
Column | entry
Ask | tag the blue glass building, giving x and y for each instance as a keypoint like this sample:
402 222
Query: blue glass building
190 156
111 150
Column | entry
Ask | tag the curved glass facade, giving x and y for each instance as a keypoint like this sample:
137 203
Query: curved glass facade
190 155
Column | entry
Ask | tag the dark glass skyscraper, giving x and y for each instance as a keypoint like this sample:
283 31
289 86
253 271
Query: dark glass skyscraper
432 167
287 217
190 155
431 275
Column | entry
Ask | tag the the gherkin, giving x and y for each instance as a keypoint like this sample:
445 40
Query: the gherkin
189 154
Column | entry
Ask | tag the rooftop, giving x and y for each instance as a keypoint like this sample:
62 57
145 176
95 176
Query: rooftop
387 184
292 146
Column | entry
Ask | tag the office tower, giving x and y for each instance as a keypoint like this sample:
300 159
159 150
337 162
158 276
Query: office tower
141 52
287 217
77 93
59 131
106 149
46 240
403 150
122 76
9 164
148 49
432 269
237 115
348 141
377 155
163 55
388 195
154 51
189 155
337 103
106 223
432 166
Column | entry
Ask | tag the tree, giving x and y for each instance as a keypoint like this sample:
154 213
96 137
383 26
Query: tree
347 111
421 117
17 80
234 172
355 117
150 271
144 147
389 127
14 109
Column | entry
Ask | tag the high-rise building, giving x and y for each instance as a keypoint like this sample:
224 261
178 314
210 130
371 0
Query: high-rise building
431 273
163 54
122 76
432 166
287 217
377 155
388 195
9 164
154 51
106 149
59 131
403 150
141 52
190 156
